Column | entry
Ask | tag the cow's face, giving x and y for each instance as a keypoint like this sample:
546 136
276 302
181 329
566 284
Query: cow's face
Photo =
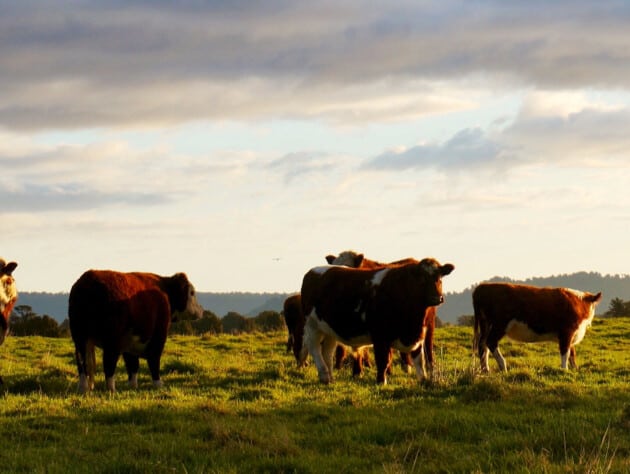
182 296
348 258
8 296
431 273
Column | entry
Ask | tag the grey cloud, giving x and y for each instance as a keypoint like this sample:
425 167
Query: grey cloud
466 149
298 164
72 197
68 64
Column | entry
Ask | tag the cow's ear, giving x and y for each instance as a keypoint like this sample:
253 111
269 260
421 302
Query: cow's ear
446 269
9 267
593 298
358 260
330 259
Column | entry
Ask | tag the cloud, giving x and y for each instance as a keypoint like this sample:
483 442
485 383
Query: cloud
468 148
103 64
566 129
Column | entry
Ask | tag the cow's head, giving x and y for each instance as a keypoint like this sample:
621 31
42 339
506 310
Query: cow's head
182 297
8 296
348 258
431 273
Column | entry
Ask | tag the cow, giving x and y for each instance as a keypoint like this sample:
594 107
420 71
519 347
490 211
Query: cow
8 297
353 259
382 307
128 314
530 314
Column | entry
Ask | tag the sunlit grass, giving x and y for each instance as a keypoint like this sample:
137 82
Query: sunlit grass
239 404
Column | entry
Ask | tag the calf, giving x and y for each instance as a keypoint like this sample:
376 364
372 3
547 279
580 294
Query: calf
8 297
385 308
128 314
530 314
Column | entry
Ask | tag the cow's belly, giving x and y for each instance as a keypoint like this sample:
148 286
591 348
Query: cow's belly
520 331
400 346
357 340
133 344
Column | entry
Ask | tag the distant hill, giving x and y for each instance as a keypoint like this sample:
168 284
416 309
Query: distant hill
456 305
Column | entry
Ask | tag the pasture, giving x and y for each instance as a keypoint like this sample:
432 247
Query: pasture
239 404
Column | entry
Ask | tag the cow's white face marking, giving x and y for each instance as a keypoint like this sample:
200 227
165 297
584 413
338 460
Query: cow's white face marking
8 291
192 305
346 259
378 277
581 330
520 331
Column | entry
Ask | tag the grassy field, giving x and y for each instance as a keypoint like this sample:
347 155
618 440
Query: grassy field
238 404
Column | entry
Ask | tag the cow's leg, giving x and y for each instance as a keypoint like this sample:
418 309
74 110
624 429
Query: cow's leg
329 344
80 356
496 353
289 342
382 356
313 339
357 361
492 343
418 357
428 342
406 362
484 354
132 364
340 355
110 359
572 359
565 351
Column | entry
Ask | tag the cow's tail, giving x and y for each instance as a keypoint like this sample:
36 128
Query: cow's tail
477 326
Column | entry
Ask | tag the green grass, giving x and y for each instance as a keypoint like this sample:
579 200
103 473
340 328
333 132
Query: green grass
239 404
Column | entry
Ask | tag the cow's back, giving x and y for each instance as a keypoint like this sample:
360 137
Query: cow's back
104 303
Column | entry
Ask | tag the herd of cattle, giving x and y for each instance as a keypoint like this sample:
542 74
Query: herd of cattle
351 302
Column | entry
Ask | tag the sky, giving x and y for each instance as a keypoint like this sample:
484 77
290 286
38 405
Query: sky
243 141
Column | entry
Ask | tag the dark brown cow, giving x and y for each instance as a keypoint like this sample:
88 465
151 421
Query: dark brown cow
8 297
384 308
292 312
353 259
530 314
128 314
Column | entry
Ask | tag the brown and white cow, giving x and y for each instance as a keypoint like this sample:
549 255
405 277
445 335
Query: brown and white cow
8 297
383 307
353 259
530 314
128 314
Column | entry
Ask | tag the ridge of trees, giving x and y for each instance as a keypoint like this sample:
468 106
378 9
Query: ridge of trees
25 322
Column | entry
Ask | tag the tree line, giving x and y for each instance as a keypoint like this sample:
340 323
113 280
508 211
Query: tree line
25 322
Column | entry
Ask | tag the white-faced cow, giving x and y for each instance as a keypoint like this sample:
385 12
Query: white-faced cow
530 314
384 308
8 297
128 314
353 259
